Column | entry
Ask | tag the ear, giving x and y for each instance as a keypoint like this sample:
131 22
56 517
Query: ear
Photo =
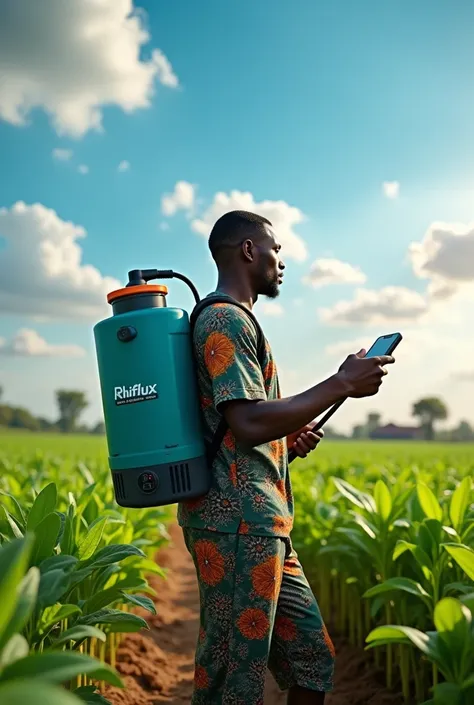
248 250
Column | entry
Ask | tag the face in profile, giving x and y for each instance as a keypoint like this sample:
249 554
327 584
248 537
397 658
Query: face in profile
269 265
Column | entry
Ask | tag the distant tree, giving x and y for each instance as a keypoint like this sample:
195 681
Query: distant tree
373 422
429 410
463 433
71 404
6 415
22 418
99 428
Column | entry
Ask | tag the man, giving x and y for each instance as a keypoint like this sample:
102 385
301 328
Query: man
257 608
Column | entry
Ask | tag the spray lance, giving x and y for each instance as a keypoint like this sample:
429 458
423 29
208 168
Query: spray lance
156 449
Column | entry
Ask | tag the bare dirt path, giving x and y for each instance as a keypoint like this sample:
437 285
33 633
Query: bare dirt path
158 666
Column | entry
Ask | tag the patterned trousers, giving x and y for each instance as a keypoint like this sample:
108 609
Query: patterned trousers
257 611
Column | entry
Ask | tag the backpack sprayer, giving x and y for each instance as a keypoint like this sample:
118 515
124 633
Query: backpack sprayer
150 400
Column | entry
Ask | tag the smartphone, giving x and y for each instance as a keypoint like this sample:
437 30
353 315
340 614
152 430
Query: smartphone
384 345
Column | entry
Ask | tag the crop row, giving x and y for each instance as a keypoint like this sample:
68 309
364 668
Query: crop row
389 551
73 567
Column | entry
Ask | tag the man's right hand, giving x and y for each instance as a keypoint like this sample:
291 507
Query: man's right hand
363 375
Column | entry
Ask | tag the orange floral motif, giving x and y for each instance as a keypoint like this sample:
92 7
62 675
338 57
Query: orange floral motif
218 354
201 679
282 524
233 474
285 628
280 488
210 562
291 567
206 402
192 504
266 578
328 641
253 623
270 371
276 450
229 441
244 527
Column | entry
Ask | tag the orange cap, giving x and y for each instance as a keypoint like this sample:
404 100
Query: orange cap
139 289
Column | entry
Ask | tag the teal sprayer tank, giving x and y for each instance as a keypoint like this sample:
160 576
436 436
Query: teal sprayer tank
150 400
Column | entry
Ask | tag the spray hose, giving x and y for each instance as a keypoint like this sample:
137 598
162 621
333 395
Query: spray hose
142 276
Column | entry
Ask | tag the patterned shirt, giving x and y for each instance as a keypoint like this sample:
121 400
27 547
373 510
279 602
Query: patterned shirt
250 488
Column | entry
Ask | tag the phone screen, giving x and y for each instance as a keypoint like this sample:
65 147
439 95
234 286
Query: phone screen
382 345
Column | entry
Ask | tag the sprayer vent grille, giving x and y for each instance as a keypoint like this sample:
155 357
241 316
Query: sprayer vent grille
119 485
180 478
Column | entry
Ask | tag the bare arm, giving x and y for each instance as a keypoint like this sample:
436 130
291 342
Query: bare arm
259 421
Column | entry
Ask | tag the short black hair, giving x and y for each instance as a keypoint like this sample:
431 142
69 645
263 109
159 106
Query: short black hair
233 227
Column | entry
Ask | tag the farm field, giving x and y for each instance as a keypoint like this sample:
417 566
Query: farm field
385 532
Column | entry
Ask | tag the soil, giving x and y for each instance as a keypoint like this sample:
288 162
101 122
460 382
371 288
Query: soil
158 666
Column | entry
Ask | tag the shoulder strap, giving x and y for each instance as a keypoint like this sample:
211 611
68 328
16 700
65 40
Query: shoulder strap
204 303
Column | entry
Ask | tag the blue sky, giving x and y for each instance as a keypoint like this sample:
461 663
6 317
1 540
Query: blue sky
312 106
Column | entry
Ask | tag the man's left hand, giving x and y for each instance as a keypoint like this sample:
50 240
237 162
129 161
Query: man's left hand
305 440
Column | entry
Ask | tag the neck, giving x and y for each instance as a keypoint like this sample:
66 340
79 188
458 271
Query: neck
237 287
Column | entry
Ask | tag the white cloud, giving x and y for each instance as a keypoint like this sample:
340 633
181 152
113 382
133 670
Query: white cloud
283 217
71 59
332 271
124 165
392 304
41 273
445 256
182 198
62 155
28 343
271 308
83 169
391 189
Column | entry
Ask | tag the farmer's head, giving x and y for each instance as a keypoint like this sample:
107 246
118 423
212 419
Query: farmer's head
243 244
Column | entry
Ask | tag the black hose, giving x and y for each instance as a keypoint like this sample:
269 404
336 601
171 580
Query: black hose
142 276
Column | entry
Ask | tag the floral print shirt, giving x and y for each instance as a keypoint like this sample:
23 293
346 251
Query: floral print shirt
250 490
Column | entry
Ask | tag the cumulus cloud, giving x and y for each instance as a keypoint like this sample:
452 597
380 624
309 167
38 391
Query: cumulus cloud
271 308
332 271
182 198
71 59
83 169
124 165
391 189
392 304
283 217
445 256
41 272
62 155
28 343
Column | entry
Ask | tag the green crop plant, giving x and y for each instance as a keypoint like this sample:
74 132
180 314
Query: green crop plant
87 563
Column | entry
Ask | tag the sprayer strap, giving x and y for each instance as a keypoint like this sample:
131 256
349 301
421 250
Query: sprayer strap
209 301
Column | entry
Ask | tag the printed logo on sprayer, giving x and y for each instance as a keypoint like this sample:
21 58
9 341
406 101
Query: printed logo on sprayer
134 393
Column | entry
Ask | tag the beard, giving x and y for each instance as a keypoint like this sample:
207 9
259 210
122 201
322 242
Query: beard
269 288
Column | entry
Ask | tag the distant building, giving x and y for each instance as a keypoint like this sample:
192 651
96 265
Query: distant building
393 432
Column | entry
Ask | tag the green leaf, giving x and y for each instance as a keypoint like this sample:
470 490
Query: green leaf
102 599
14 558
428 502
46 533
464 557
17 647
26 600
67 539
383 499
44 504
60 666
399 634
117 620
21 515
453 621
58 561
17 533
404 584
113 554
91 540
422 558
468 600
90 695
360 499
78 633
54 614
32 691
447 694
143 601
460 502
52 587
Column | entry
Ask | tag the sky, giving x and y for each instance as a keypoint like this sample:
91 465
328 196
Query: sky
127 128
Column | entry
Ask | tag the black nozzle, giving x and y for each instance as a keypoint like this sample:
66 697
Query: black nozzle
142 276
